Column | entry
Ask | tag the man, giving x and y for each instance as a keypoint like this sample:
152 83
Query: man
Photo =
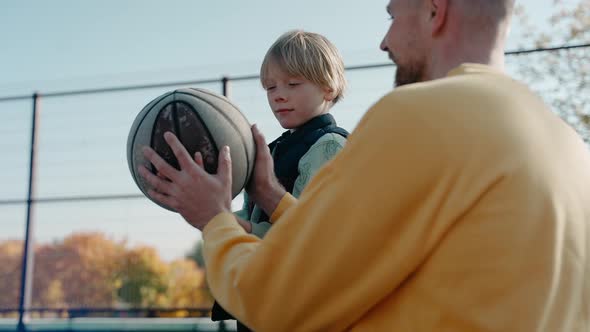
460 203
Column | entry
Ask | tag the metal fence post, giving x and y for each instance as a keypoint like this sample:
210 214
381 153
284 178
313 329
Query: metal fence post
29 250
225 89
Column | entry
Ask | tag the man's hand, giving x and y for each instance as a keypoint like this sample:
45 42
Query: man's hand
197 195
264 187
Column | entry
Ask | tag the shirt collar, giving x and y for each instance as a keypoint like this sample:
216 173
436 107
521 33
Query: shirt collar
473 68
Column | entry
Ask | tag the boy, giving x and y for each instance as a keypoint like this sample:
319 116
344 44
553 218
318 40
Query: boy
303 75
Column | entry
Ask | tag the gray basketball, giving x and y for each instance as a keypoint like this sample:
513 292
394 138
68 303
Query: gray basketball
203 121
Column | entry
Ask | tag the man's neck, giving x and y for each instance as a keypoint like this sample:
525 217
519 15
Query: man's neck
445 59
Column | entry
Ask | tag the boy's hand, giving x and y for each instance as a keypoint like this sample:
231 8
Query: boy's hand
246 225
264 187
197 195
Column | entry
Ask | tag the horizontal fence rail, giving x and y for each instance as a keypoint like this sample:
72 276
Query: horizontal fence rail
113 312
243 78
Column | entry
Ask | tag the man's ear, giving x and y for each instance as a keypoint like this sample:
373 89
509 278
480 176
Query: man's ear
438 15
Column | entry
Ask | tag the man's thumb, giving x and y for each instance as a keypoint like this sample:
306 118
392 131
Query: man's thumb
224 171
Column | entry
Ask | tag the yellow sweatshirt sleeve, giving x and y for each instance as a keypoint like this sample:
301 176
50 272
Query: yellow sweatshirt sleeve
286 202
344 246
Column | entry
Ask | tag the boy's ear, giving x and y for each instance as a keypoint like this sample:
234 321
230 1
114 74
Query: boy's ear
329 94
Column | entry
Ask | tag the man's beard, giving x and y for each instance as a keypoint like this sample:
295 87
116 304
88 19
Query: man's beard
409 73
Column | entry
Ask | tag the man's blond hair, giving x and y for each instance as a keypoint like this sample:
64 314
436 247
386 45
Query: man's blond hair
308 55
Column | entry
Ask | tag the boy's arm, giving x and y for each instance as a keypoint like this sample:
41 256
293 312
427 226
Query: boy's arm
285 203
246 225
243 216
322 151
243 213
318 154
259 229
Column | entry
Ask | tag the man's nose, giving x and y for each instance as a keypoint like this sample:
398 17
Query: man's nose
383 46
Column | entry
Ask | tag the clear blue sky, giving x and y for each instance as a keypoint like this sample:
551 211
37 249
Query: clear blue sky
62 45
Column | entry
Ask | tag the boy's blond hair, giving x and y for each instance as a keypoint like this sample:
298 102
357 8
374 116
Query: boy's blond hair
309 55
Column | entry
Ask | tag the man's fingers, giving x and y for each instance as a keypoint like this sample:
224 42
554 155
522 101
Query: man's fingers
159 184
160 164
164 199
182 155
258 137
199 159
261 146
224 170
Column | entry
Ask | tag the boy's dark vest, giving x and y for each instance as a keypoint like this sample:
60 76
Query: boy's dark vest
287 150
290 147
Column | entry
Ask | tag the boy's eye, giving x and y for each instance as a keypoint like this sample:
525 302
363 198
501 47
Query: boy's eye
269 88
294 84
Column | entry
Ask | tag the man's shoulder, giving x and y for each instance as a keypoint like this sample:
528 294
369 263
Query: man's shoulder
473 93
455 107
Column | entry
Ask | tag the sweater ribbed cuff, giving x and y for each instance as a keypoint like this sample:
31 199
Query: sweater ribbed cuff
286 202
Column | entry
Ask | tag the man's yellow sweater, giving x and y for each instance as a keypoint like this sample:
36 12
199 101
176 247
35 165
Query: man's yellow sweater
461 204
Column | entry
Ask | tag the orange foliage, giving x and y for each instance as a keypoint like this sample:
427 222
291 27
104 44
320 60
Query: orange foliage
142 278
187 286
10 271
83 267
91 270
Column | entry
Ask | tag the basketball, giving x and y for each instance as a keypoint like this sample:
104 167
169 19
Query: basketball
203 121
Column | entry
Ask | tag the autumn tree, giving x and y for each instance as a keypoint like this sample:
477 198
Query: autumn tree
561 77
142 280
187 285
91 270
10 271
78 272
196 254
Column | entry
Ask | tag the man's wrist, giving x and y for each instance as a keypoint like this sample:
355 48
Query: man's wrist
200 225
218 218
272 197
